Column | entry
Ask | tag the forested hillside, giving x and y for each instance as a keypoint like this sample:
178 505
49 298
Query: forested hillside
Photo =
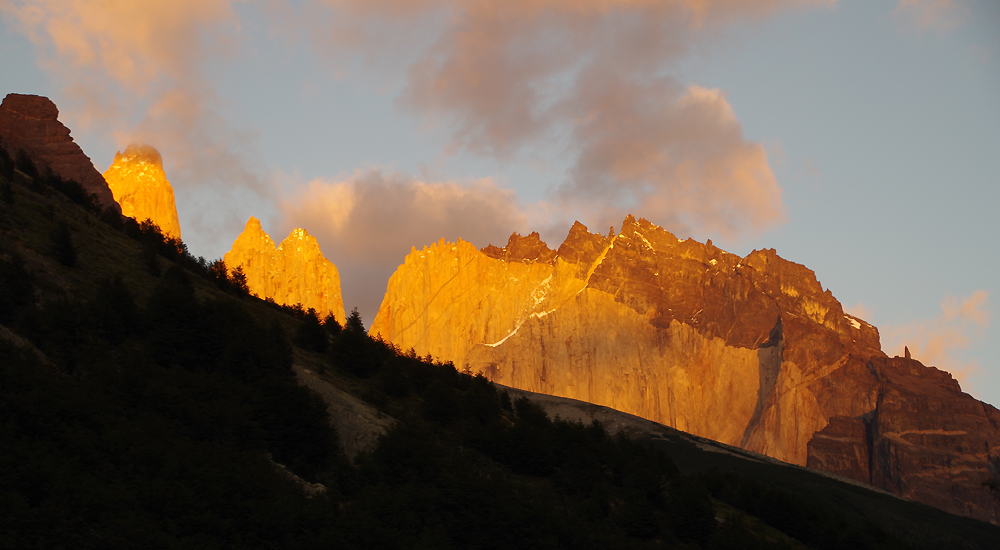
147 401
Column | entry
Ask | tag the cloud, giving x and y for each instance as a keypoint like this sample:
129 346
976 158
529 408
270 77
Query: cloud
136 70
860 311
939 15
366 223
580 84
671 153
584 80
941 341
116 53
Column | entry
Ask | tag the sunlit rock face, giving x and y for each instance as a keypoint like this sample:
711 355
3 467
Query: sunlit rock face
31 123
748 351
294 272
140 187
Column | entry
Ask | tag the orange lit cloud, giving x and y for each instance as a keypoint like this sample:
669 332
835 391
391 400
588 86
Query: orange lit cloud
676 154
859 310
940 342
134 70
366 223
583 80
940 15
98 48
579 84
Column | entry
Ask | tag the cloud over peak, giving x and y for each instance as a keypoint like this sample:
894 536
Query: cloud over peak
368 221
941 341
587 86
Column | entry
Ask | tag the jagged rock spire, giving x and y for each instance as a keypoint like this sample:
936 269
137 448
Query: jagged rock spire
293 272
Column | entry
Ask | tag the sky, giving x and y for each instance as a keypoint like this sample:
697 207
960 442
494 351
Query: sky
860 138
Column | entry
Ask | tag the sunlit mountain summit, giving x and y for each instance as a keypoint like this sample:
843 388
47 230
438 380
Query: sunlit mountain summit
140 186
749 351
293 272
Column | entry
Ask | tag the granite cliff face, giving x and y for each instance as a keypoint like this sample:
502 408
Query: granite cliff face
751 351
925 440
31 122
140 187
293 272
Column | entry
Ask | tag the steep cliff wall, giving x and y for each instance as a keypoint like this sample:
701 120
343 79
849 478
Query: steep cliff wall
31 122
925 440
140 187
748 351
293 272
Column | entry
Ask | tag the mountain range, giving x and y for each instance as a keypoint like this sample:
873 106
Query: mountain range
751 352
747 351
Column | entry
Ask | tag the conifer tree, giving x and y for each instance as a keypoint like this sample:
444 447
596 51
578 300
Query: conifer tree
239 281
63 249
311 335
354 322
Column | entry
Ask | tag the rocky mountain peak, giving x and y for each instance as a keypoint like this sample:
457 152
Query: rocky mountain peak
140 186
31 107
138 153
527 249
31 123
292 272
750 351
302 241
253 224
581 246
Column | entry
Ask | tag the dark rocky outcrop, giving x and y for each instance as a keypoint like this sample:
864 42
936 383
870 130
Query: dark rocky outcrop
925 440
522 249
31 123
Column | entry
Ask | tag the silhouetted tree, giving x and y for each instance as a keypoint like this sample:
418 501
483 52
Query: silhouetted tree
219 272
239 281
177 330
354 323
115 313
6 175
150 258
6 164
62 245
310 334
354 351
24 163
7 191
690 510
17 288
332 325
71 189
113 217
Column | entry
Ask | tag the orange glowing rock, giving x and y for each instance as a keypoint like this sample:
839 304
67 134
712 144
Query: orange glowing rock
750 351
140 187
294 272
